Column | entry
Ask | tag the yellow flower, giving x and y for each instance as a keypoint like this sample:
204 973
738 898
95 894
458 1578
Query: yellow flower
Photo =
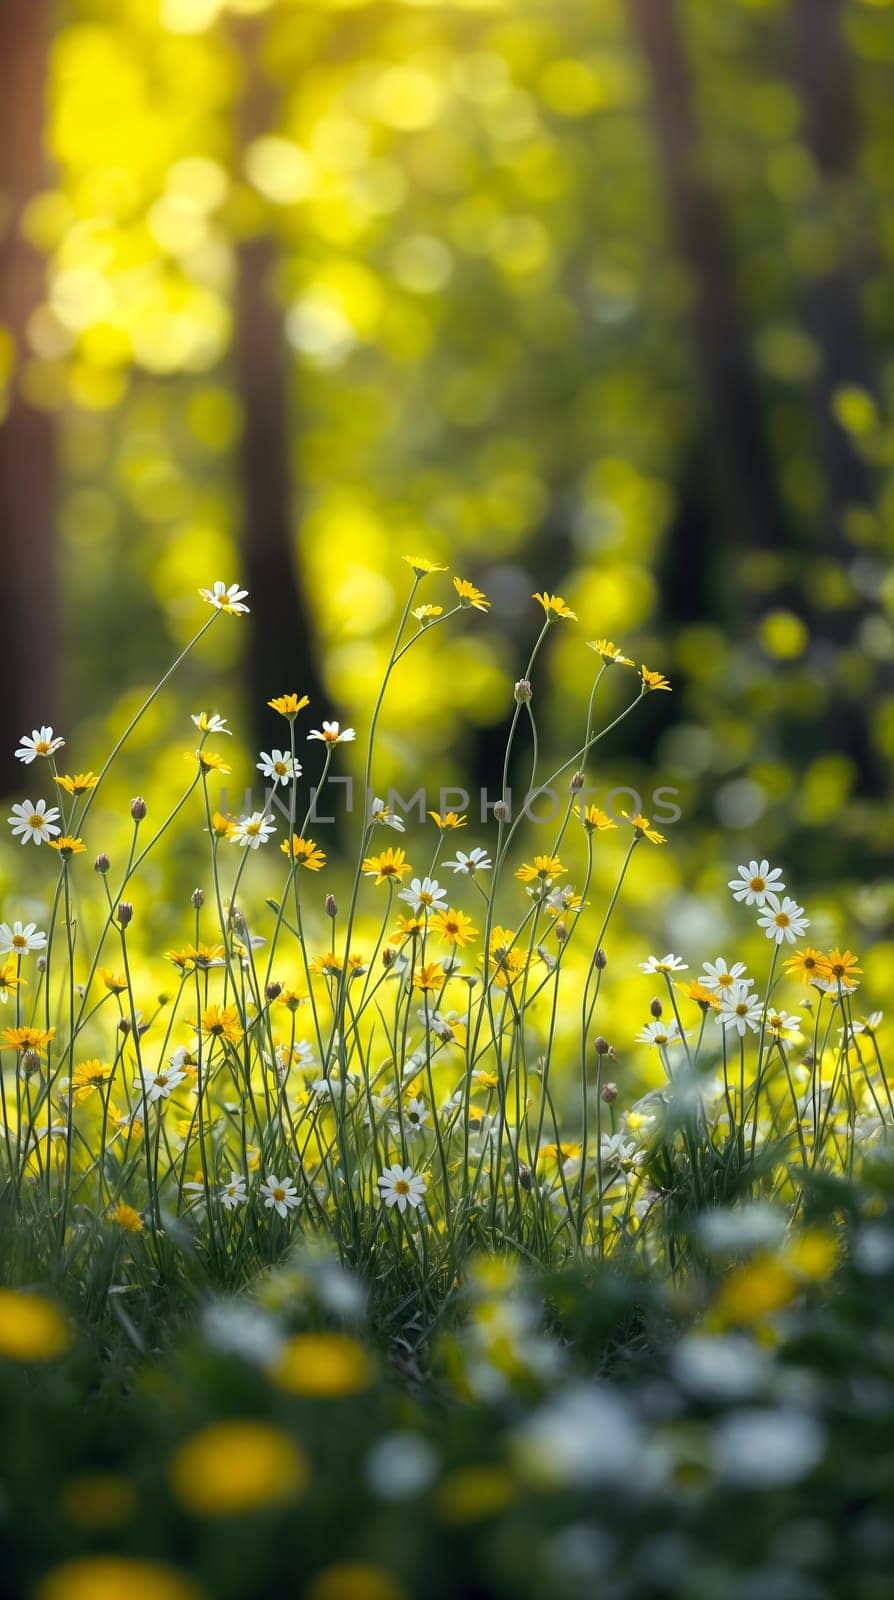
448 819
654 680
78 783
126 1217
596 821
430 978
407 928
209 761
644 828
292 999
289 705
473 1494
28 1038
422 567
322 1366
554 606
806 965
840 967
755 1290
32 1328
230 1468
558 1152
426 614
454 927
543 867
221 1022
202 956
469 595
221 825
87 1076
68 846
115 982
389 864
609 652
304 853
703 997
116 1578
330 964
9 981
354 1580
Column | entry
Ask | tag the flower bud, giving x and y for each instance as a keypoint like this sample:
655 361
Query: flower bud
125 914
138 808
523 691
609 1092
600 960
501 811
124 1025
602 1046
561 930
273 990
30 1063
331 906
41 963
198 899
577 781
525 1179
102 864
656 1008
389 955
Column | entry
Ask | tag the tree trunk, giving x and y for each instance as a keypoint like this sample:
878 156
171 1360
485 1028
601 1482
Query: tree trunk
281 648
746 483
29 634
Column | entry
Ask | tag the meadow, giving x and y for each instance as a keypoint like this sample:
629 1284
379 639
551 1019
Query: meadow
355 1246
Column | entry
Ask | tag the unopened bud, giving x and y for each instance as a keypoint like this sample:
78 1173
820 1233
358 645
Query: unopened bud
163 999
577 781
102 864
123 1025
389 955
609 1092
501 811
331 906
656 1008
41 963
125 913
198 899
561 931
525 1179
273 990
523 691
30 1063
600 960
138 808
602 1046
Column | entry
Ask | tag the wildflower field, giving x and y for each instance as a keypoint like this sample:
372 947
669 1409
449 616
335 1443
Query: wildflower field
446 754
343 1228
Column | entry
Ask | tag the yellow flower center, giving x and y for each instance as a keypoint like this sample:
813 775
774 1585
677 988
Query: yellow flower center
725 980
253 828
42 747
280 768
782 919
18 941
401 1186
35 820
425 898
279 1194
758 884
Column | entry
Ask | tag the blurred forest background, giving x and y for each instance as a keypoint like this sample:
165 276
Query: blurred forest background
590 294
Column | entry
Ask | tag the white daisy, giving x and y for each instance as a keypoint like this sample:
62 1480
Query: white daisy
755 882
253 831
717 976
400 1186
332 733
424 894
660 1033
159 1085
379 812
233 1194
211 724
42 742
739 1010
19 940
784 922
415 1117
225 598
476 860
780 1024
671 963
34 822
280 1195
279 765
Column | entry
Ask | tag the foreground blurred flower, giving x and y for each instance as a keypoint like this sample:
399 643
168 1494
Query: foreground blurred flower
126 1217
34 823
333 733
226 599
231 1468
400 1186
42 742
783 922
21 940
32 1328
755 882
116 1578
252 831
279 766
322 1366
280 1195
